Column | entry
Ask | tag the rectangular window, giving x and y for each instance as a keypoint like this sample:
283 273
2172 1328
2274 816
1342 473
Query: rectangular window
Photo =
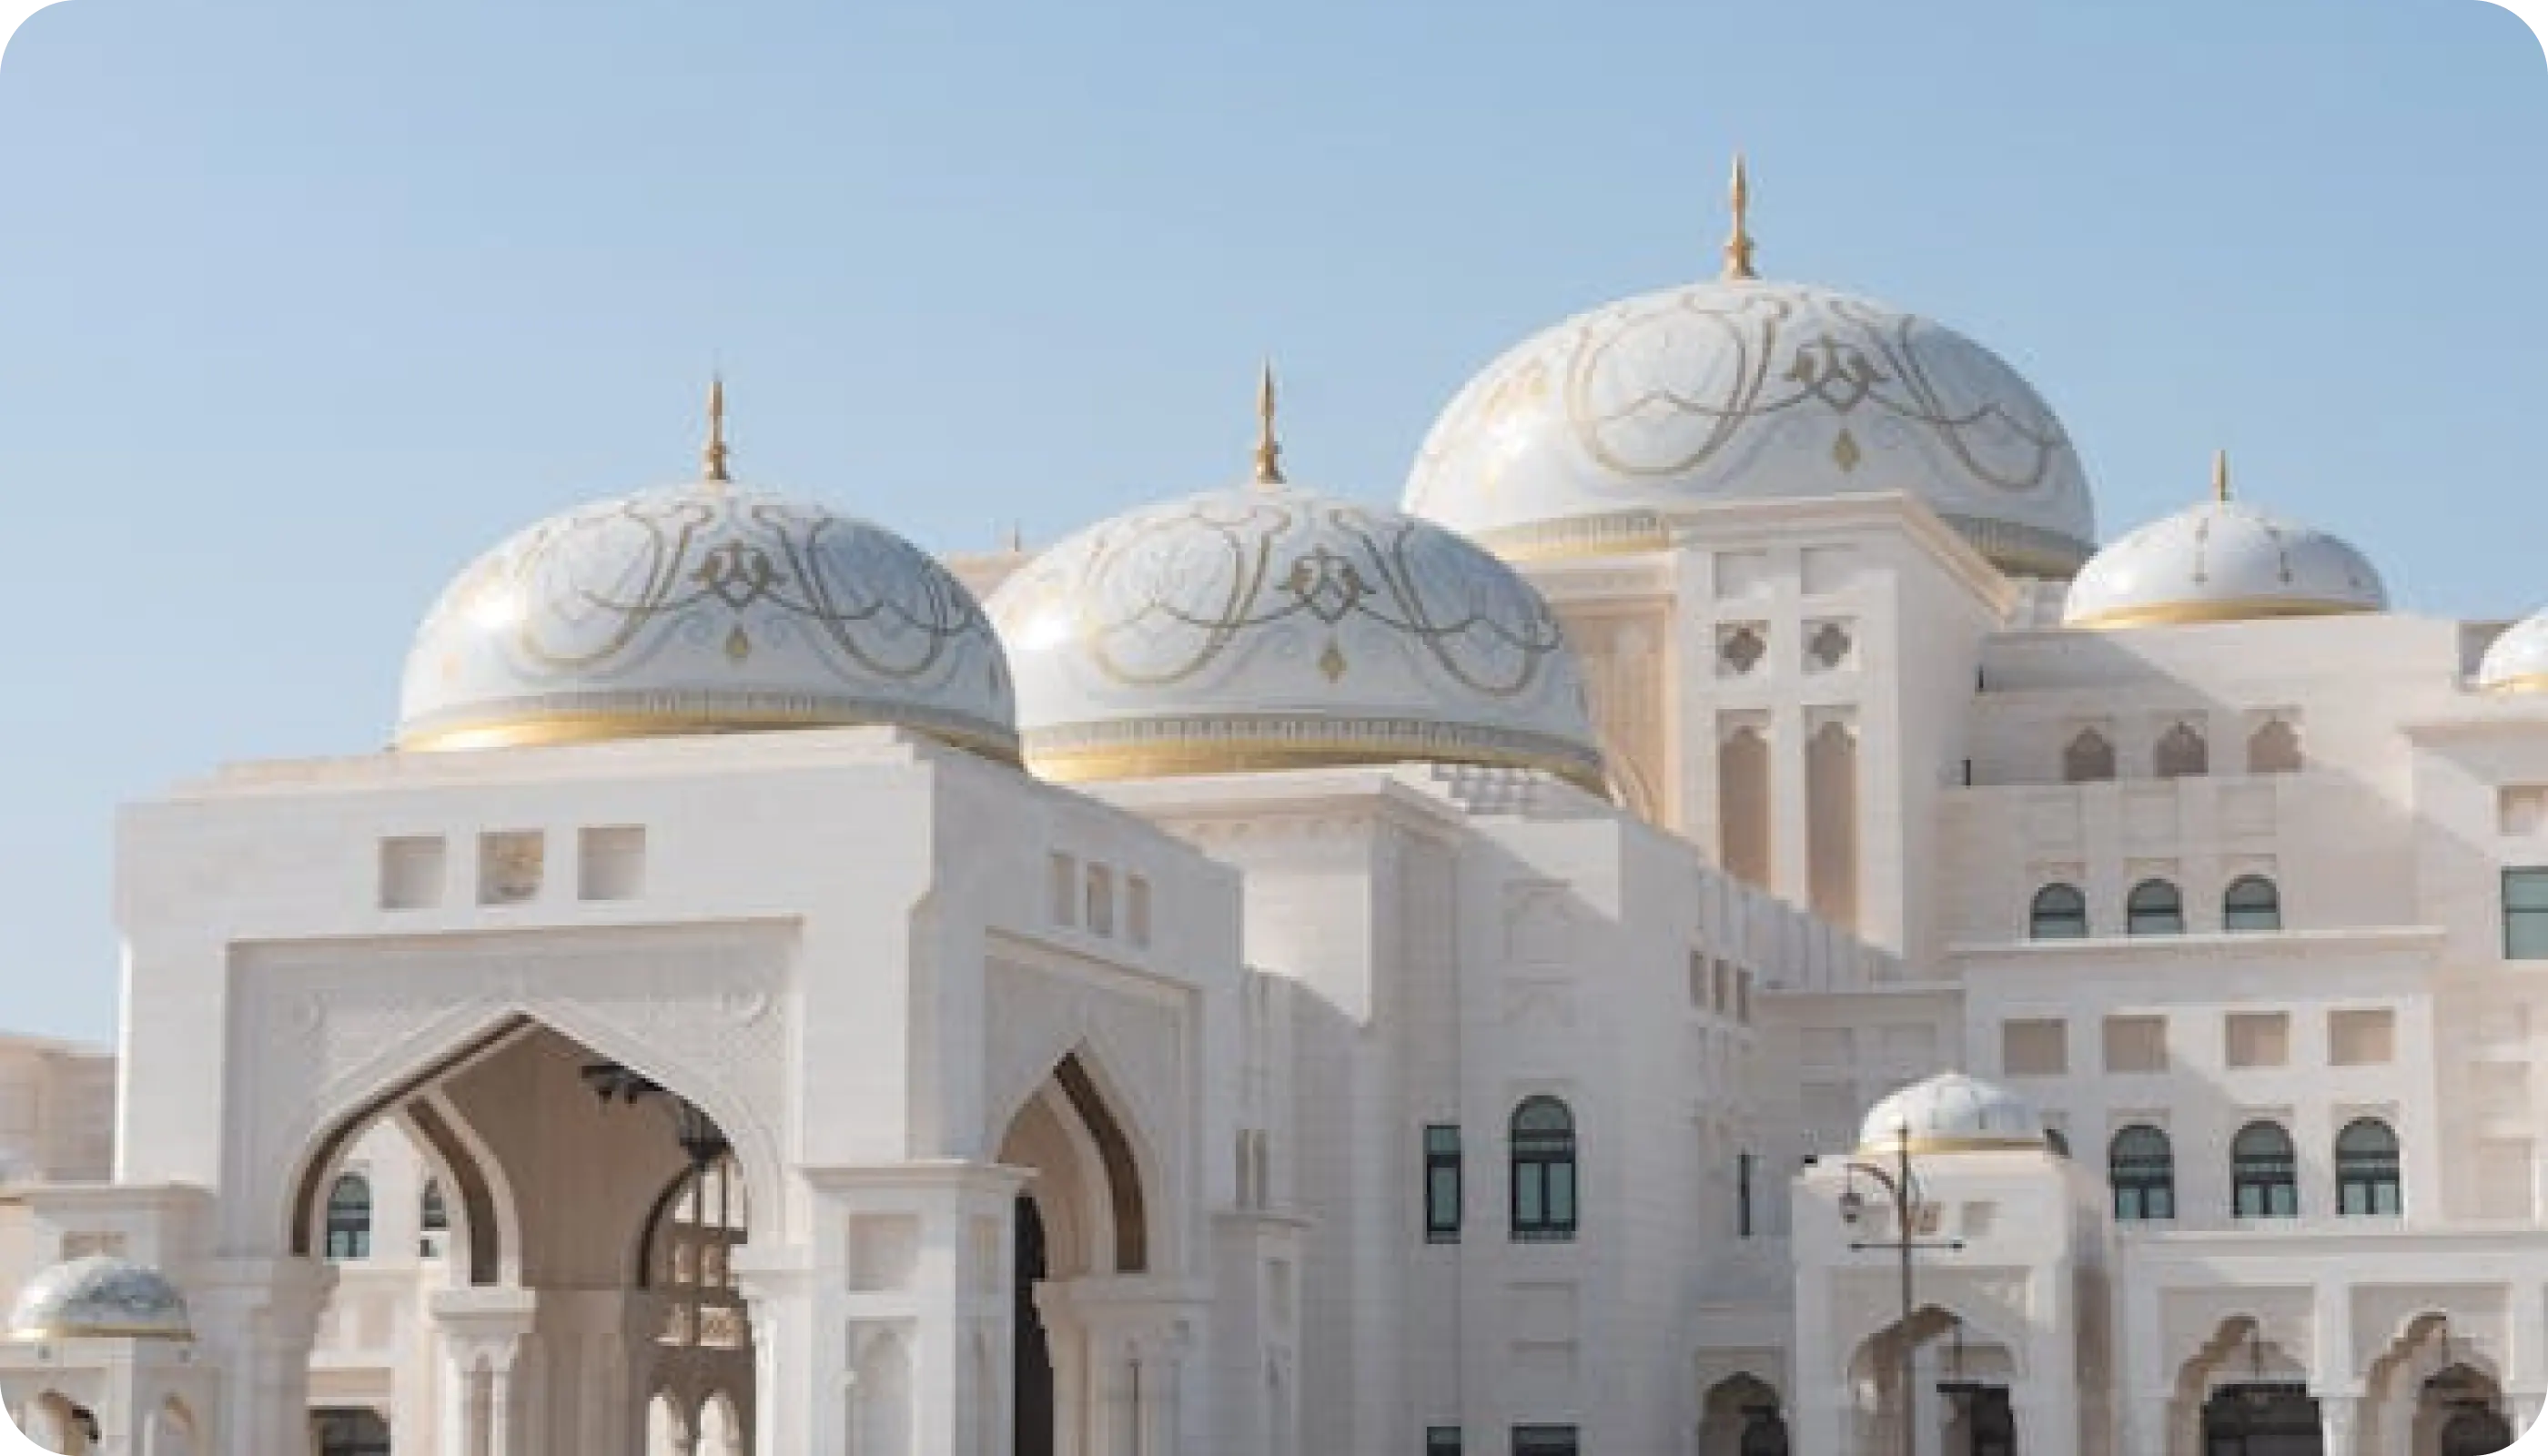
1137 910
1543 1440
411 873
2034 1049
611 863
2361 1038
2258 1039
1442 1185
1743 1195
1441 1440
1065 889
2525 914
509 866
2136 1044
1101 900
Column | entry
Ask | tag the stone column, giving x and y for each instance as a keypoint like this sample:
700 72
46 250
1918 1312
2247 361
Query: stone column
2336 1417
1068 1344
801 1365
486 1409
261 1317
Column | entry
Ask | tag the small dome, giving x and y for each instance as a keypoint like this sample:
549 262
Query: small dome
1951 1113
704 608
100 1297
1602 432
2223 561
2516 661
1269 627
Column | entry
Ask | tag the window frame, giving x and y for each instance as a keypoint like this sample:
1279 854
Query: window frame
2264 1174
2142 1179
2171 916
2266 914
2073 911
1546 1203
2535 916
1445 1190
349 1218
2362 1176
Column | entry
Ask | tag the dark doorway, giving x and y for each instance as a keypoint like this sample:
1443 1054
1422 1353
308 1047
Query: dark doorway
1033 1371
2268 1419
350 1433
1764 1434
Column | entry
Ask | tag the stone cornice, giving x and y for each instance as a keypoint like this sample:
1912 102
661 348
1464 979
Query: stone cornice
2209 948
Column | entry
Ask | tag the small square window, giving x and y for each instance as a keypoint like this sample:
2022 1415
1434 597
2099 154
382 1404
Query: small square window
2136 1044
412 871
2362 1037
509 865
2258 1039
611 862
1740 645
1543 1440
1441 1440
1828 647
1064 878
2034 1049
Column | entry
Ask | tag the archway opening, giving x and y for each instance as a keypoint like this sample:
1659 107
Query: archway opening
2262 1417
1742 1417
1034 1427
2459 1411
349 1432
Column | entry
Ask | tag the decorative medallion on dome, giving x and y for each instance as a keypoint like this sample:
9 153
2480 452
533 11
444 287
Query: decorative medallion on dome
1600 434
704 608
2516 661
100 1297
1271 628
1951 1113
2218 561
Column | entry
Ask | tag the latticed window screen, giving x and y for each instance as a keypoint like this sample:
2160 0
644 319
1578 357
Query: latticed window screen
692 1261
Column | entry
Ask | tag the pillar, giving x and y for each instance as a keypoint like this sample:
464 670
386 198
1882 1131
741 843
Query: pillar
261 1317
489 1405
2336 1420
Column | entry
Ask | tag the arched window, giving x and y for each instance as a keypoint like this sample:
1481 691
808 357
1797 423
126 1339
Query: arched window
2090 757
2059 913
1543 1171
2251 903
2142 1169
2181 754
2367 1178
2264 1174
432 1221
2274 748
349 1217
2154 908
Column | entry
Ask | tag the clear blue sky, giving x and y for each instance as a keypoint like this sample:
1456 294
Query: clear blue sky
302 303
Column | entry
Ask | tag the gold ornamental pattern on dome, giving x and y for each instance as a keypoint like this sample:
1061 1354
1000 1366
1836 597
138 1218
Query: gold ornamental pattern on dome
1164 595
706 603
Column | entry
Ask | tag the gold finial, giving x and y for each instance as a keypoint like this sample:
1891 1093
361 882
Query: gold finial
2221 475
1269 453
712 459
1737 244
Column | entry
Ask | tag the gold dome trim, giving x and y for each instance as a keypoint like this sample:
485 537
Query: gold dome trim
555 730
55 1335
2516 685
1103 763
2223 609
1919 1145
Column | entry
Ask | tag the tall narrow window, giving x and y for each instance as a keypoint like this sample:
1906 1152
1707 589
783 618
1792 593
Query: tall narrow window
2141 1165
2154 908
2525 914
2264 1174
2059 913
349 1217
1442 1184
2252 902
1743 805
2181 754
1543 1171
1831 823
1743 1195
2090 757
2367 1177
432 1221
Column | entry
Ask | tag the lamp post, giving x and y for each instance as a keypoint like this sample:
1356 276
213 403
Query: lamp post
1908 1206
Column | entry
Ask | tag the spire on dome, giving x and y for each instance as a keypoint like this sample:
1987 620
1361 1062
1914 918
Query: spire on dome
2221 475
712 459
1270 452
1738 242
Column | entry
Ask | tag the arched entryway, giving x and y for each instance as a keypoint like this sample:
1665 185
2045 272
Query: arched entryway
2262 1418
2459 1411
1959 1396
1742 1418
561 1168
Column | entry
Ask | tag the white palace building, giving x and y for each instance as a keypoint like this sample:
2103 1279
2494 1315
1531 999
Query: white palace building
1276 975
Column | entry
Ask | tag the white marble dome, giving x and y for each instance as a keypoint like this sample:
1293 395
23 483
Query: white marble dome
702 608
100 1297
2516 661
1951 1113
1269 627
1600 432
2222 561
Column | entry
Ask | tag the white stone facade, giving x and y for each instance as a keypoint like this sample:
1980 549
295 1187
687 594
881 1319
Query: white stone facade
831 1089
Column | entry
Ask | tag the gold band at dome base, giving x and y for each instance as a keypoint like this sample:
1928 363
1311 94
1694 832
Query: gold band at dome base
557 730
2516 685
1918 1146
1176 757
2225 609
58 1335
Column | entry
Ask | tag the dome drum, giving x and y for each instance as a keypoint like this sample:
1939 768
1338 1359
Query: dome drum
100 1297
1951 1113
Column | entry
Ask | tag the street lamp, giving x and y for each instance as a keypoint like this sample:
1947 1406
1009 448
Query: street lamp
1908 1207
697 1133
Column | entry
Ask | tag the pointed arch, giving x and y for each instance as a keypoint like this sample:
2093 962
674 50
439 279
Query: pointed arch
2181 753
2089 758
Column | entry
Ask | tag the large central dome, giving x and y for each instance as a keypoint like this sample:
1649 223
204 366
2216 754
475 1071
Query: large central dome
1602 432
